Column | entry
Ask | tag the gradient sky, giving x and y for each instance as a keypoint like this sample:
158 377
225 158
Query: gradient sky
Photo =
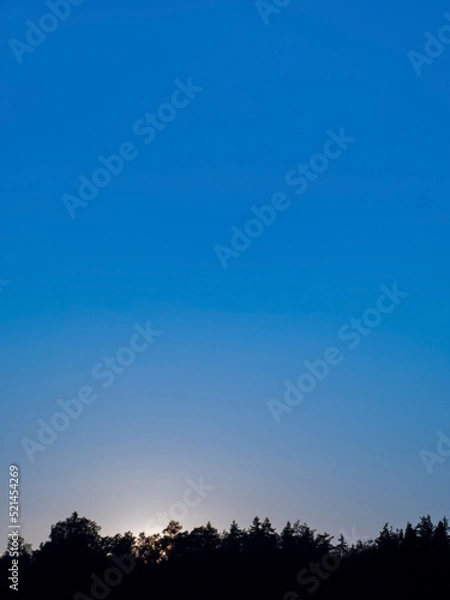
195 403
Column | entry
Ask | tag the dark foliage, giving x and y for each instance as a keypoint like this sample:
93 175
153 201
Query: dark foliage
78 563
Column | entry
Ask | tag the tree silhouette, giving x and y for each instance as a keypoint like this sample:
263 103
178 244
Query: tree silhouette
78 563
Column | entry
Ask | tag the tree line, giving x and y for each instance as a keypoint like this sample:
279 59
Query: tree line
255 562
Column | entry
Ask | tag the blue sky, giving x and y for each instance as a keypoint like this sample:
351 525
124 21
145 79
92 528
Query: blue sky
195 402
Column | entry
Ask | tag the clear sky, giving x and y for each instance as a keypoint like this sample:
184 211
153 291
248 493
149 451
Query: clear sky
194 403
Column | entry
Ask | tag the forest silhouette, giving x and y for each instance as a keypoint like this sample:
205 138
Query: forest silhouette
78 563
